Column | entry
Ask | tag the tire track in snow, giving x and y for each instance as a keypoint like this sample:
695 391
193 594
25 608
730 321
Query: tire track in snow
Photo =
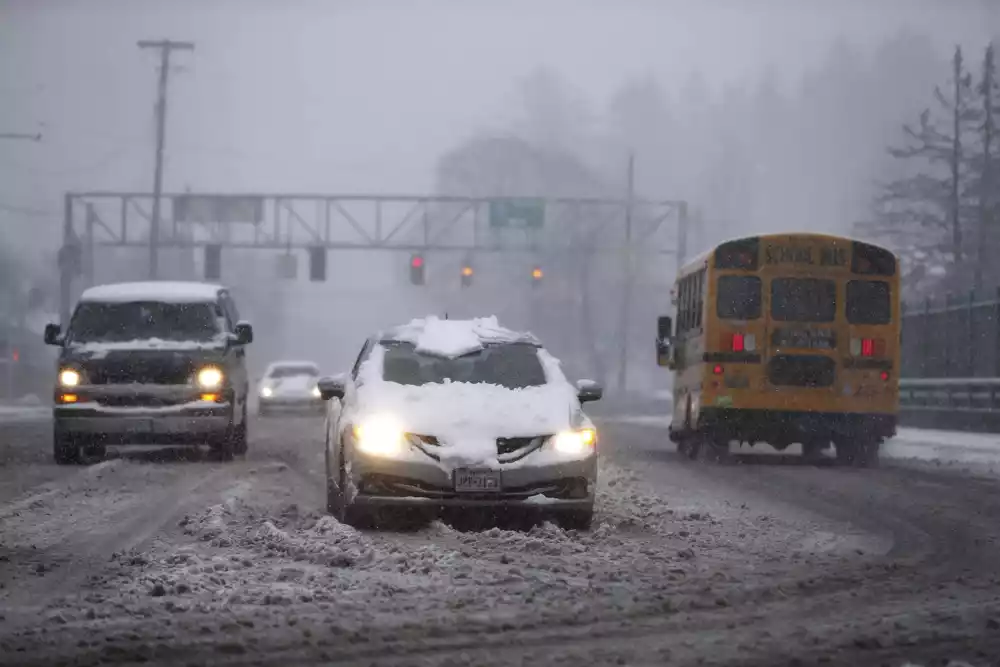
71 551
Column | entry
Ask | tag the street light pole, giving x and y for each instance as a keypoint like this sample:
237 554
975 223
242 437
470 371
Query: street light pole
629 278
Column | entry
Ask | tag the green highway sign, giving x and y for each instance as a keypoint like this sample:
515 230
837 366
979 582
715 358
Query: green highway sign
528 213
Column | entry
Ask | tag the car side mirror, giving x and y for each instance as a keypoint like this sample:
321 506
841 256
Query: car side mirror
588 391
332 387
53 334
244 333
664 341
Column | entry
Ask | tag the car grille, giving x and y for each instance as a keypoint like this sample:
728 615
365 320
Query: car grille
514 449
508 449
140 371
801 371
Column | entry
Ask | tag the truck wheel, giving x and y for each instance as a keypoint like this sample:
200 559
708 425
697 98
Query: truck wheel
65 449
576 519
239 434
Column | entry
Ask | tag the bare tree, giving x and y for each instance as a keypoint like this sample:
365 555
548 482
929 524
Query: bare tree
928 206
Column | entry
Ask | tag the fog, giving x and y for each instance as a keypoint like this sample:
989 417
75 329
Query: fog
763 116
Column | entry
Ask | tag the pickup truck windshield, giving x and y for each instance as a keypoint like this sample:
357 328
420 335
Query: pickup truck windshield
117 322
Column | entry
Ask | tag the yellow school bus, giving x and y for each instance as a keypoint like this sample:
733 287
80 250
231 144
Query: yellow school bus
785 339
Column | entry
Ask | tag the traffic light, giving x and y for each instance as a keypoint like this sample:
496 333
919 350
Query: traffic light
317 263
417 269
536 276
213 262
467 273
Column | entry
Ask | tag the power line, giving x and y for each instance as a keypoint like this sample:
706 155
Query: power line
21 135
166 47
26 210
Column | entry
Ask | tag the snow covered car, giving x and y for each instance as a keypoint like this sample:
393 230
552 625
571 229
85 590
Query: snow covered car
151 363
289 386
450 413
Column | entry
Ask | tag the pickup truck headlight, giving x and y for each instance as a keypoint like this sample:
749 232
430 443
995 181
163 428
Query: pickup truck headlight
210 377
69 377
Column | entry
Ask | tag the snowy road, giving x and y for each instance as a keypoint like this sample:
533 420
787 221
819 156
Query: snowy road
160 558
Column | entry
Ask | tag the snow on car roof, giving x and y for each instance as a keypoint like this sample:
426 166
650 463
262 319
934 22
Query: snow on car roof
164 291
453 338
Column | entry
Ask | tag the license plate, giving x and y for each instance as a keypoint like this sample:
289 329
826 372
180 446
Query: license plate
477 481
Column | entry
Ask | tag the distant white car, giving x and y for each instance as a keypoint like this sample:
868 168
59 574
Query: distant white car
461 414
289 386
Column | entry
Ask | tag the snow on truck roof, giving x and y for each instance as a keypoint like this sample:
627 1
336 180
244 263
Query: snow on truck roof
164 291
453 338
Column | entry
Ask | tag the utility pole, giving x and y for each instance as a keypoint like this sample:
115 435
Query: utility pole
629 277
166 47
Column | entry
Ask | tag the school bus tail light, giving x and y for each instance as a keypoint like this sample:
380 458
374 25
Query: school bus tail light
717 369
743 342
867 347
884 375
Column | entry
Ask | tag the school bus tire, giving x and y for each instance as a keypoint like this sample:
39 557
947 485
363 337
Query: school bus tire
812 451
858 453
688 446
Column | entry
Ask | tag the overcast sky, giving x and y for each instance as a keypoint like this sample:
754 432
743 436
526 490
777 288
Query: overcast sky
350 96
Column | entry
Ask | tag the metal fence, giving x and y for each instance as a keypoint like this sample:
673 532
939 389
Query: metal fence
956 337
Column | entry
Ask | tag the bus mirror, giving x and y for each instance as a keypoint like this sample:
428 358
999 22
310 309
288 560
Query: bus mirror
664 327
664 351
664 341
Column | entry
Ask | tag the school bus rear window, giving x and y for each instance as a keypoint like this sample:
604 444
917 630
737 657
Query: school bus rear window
740 254
803 300
738 298
868 302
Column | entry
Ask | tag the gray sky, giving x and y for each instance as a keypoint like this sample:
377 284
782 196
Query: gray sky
347 96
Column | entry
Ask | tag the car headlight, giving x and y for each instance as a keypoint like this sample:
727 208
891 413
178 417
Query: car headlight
210 377
69 378
266 392
575 442
380 436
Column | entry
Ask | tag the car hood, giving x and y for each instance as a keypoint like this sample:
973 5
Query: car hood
299 385
467 419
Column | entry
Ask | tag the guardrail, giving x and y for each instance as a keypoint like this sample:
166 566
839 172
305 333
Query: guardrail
967 404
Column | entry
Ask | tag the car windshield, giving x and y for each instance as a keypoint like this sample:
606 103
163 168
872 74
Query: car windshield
513 366
116 322
293 371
